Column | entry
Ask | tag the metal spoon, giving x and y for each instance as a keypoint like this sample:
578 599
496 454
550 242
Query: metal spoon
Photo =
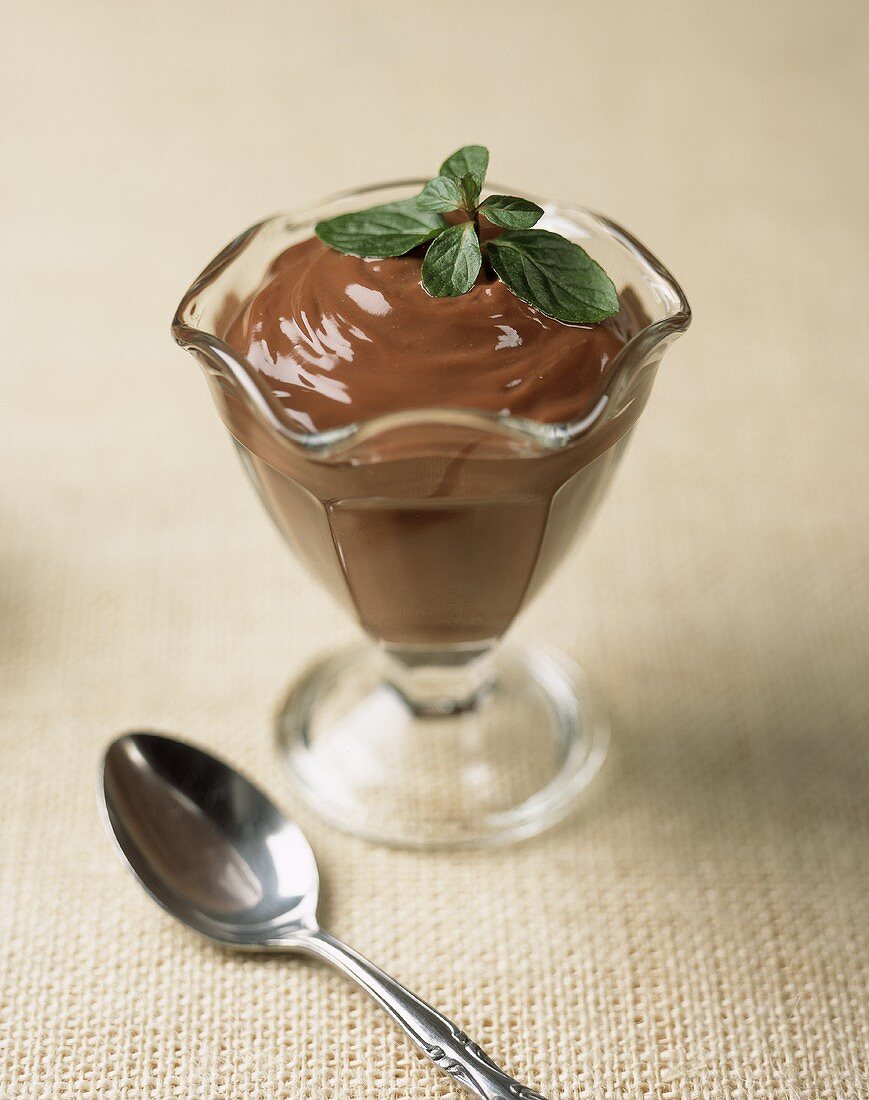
210 848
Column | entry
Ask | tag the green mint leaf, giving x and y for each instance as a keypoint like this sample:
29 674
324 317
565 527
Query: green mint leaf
510 212
471 185
553 274
453 262
381 231
470 158
442 193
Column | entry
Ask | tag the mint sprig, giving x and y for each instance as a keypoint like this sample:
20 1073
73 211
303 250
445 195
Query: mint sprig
553 274
470 158
381 231
443 193
453 262
510 213
544 269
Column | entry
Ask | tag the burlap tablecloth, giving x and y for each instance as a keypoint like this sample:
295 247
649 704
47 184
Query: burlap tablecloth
699 928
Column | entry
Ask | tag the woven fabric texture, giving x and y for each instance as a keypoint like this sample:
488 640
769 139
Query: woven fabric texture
699 928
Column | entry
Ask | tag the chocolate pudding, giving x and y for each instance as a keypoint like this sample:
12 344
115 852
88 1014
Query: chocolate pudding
342 339
433 533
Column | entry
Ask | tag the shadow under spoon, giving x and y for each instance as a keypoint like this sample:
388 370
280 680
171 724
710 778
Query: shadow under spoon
217 854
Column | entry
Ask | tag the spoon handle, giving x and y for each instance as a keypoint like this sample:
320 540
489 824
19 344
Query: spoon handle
438 1037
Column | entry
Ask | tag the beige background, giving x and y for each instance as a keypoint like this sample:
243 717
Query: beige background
699 929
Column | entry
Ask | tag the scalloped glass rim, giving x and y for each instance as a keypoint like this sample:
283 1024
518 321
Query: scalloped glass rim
547 436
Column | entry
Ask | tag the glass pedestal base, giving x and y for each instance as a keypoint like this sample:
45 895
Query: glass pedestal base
508 762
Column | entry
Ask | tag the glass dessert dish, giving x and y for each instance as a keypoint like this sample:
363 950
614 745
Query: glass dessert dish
434 527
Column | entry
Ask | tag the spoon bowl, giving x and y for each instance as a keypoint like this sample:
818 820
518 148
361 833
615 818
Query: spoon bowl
207 844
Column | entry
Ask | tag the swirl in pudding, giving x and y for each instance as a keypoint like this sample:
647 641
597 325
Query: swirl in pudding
343 339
